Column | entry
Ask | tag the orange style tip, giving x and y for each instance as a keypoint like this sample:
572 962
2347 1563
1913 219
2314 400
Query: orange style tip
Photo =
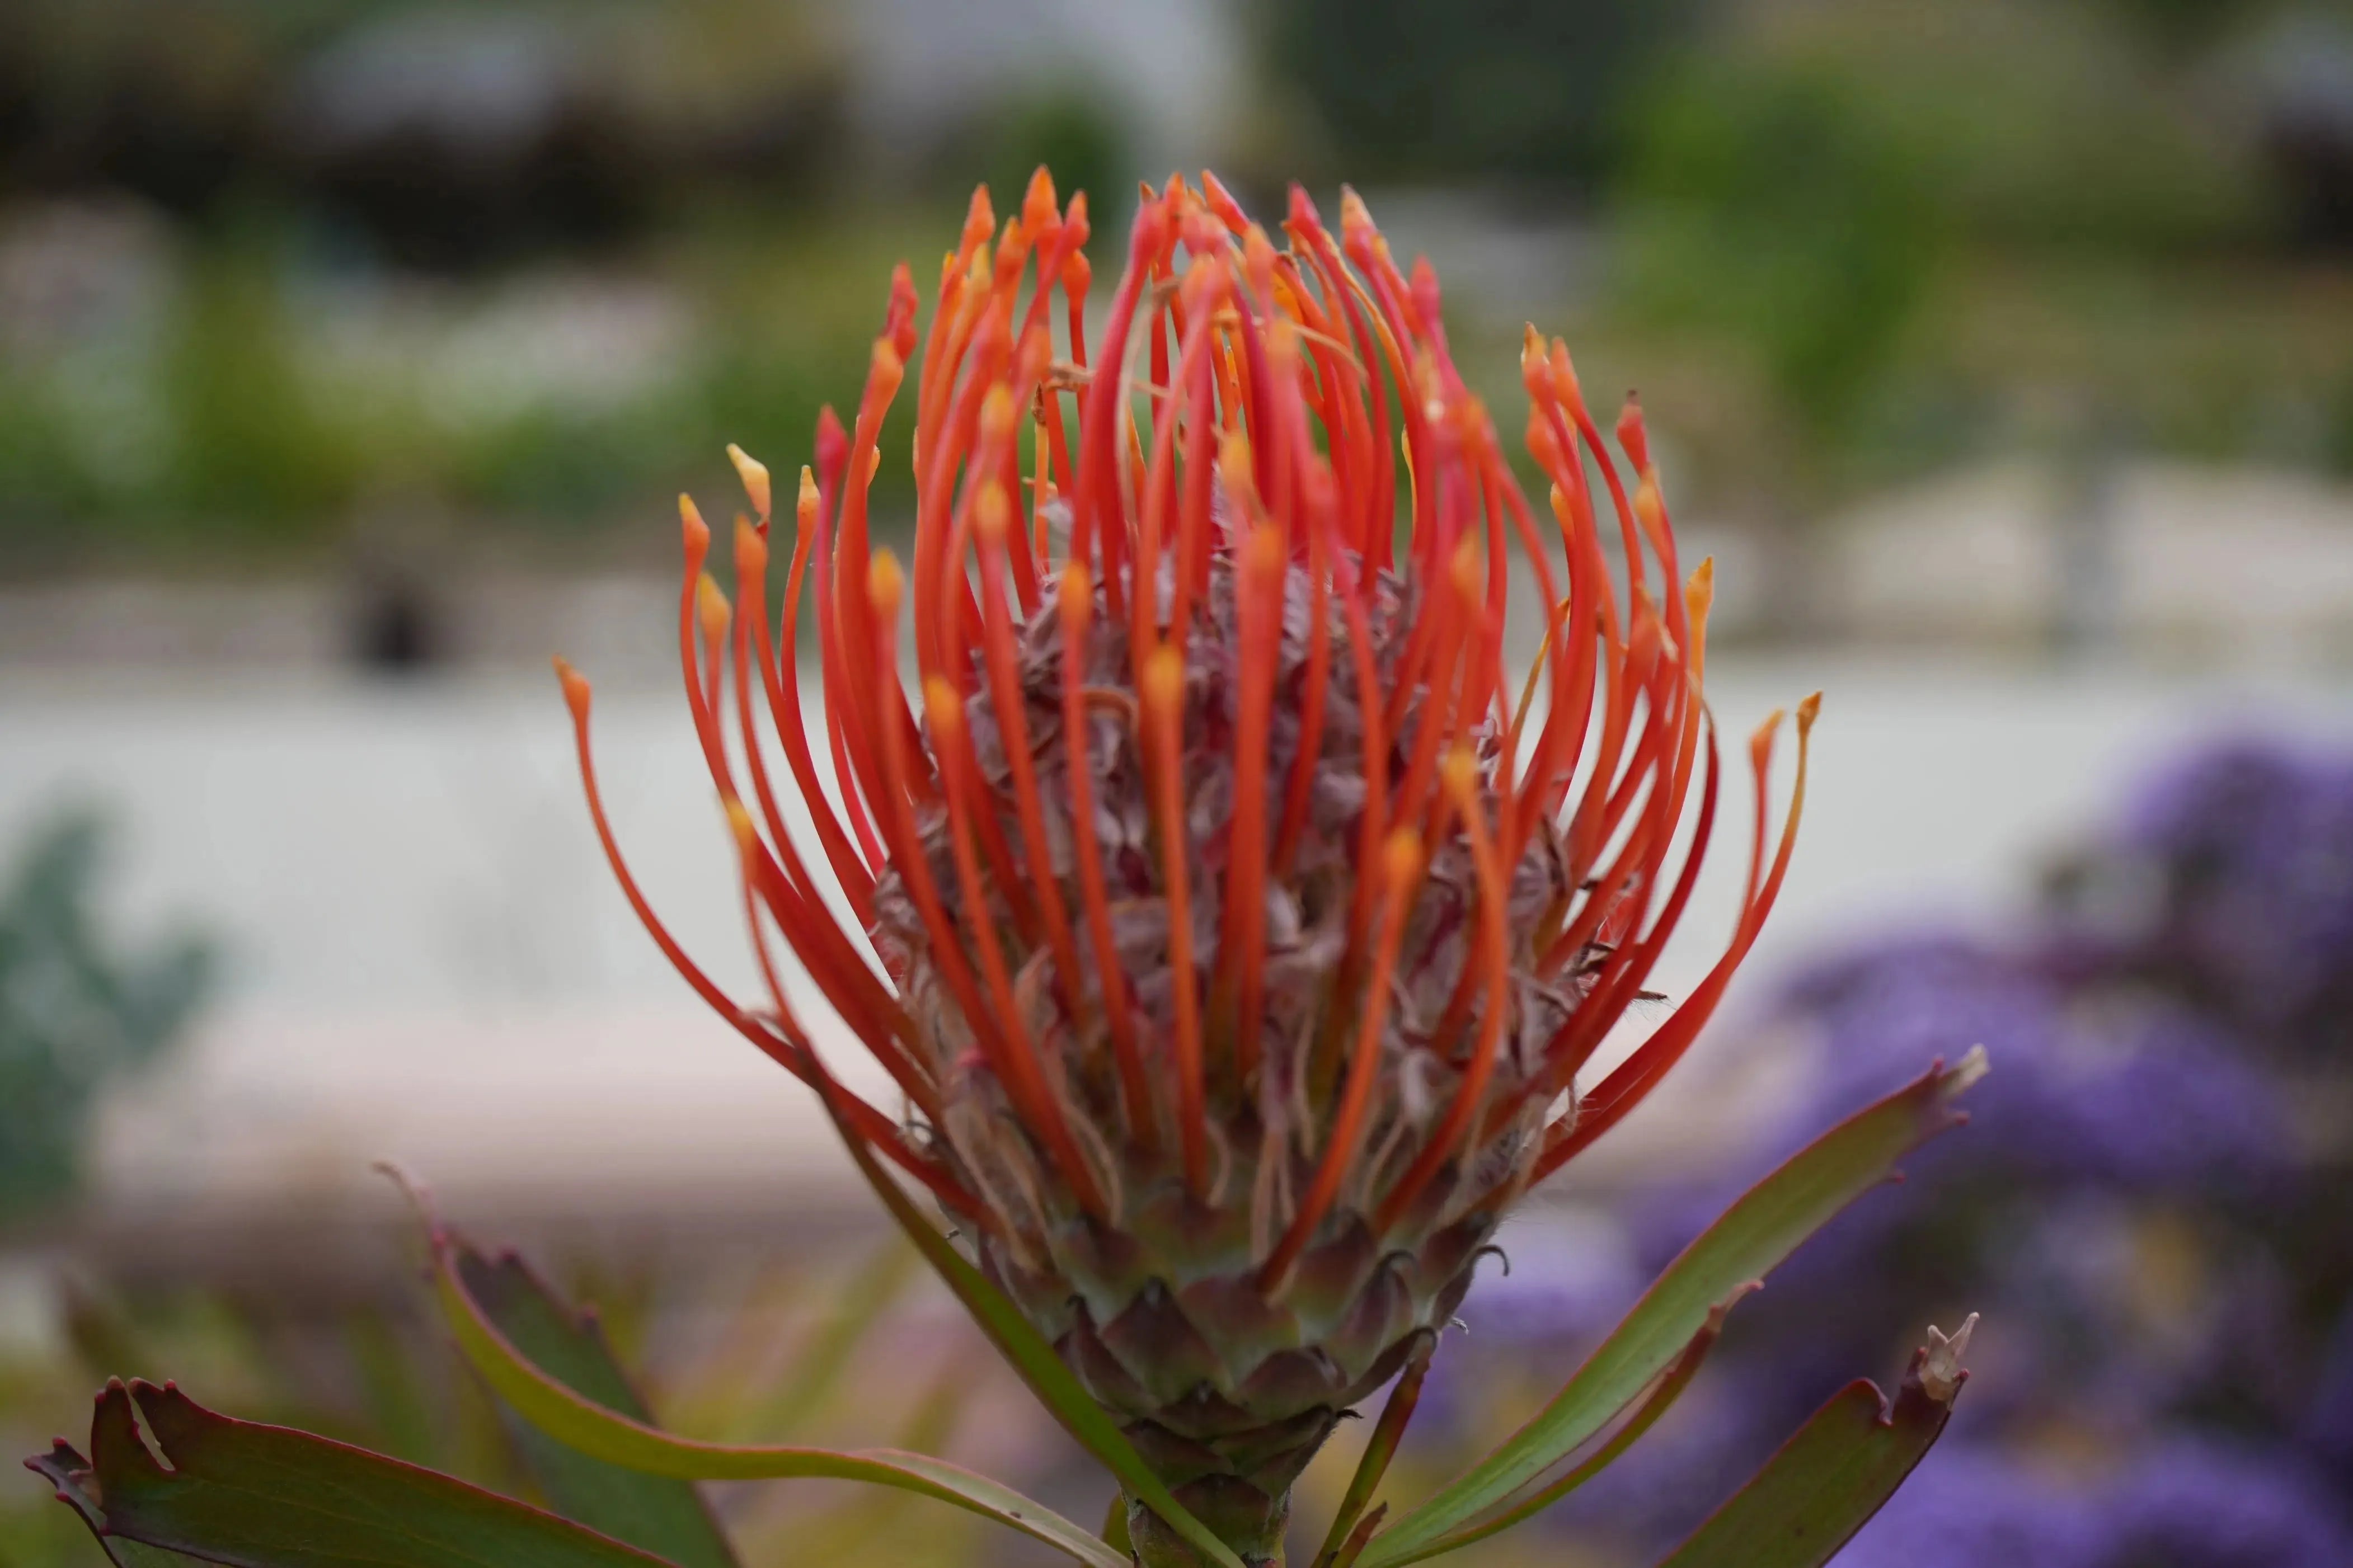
1163 683
998 413
1564 372
755 475
1647 504
980 217
1353 214
1631 435
696 532
577 690
1282 343
1464 570
806 503
1808 710
1760 742
1039 207
884 583
1077 595
1471 417
991 515
1400 856
1263 553
751 549
887 369
941 706
1234 458
1460 773
711 606
1221 200
1535 375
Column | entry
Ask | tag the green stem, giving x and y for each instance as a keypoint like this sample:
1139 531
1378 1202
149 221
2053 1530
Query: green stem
1254 1534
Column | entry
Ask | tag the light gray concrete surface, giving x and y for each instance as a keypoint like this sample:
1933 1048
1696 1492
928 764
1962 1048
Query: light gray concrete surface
428 960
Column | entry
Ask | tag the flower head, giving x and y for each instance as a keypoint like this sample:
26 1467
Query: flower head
1236 927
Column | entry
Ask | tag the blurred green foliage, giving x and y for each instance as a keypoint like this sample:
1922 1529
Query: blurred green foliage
1842 240
1448 91
1880 237
247 443
74 1008
246 434
1774 205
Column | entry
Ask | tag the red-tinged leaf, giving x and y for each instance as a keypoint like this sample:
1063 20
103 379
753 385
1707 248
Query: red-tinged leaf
1379 1449
1747 1242
252 1496
662 1515
1829 1479
617 1440
68 1472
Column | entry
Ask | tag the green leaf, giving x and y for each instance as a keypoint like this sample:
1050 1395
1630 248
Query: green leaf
604 1433
1829 1479
251 1496
1056 1386
1752 1238
1657 1403
662 1515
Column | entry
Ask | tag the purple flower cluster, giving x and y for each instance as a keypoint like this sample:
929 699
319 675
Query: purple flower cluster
2150 1207
2231 884
2182 1502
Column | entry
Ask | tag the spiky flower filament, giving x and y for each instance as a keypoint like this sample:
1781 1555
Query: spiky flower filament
1231 918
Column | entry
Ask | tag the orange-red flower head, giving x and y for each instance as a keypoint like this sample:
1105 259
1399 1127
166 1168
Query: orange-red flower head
1235 926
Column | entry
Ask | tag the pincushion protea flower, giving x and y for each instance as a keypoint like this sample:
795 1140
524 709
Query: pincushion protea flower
1236 929
1236 936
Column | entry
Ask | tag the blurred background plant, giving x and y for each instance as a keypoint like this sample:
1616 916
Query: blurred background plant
74 1010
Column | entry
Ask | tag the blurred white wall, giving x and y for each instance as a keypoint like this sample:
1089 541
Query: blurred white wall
428 960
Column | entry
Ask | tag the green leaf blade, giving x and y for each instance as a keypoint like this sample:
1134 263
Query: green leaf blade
1655 1403
1745 1243
663 1515
254 1496
614 1439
